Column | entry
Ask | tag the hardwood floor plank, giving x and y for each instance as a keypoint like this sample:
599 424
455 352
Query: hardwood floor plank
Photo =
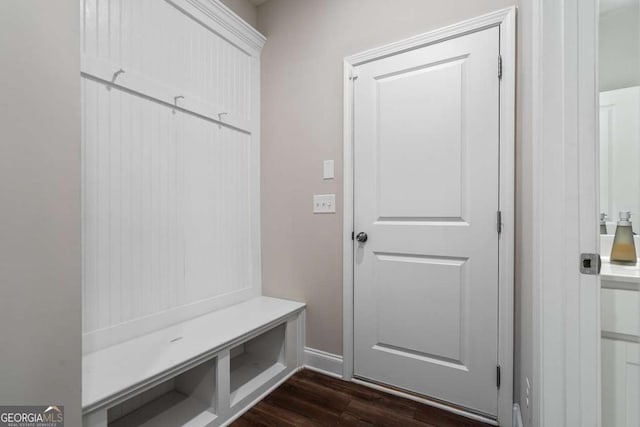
311 399
274 416
317 394
337 385
442 418
351 420
379 415
313 412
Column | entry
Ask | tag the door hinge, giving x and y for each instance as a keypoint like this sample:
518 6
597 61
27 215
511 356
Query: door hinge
353 75
499 221
500 66
353 235
498 376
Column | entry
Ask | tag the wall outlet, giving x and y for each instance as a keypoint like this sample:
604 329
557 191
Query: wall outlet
324 203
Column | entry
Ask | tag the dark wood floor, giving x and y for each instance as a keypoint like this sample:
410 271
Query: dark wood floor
312 399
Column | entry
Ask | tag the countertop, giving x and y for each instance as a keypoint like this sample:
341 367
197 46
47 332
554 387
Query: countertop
614 276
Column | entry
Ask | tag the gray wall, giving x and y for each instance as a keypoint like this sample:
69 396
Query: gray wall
40 338
302 126
619 50
523 339
244 9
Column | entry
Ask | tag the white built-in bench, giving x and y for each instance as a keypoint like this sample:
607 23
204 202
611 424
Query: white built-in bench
202 372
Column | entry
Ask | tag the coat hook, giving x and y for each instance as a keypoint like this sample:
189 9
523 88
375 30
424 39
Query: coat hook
220 119
175 99
116 74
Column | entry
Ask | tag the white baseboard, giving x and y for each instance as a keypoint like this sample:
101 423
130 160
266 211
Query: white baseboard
517 416
323 362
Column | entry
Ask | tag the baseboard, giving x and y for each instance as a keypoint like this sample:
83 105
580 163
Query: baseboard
323 362
517 416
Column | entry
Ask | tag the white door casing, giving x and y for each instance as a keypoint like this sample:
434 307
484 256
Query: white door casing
426 193
565 383
504 20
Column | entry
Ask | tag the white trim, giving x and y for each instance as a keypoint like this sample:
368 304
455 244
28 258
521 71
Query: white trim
348 226
505 19
323 362
256 168
566 379
507 201
517 416
492 19
426 401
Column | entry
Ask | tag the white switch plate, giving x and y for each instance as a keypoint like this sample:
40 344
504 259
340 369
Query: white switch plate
324 203
327 169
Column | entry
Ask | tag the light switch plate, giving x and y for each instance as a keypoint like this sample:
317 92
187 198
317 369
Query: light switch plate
327 170
324 203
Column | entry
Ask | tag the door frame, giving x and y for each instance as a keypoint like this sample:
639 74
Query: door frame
505 19
566 303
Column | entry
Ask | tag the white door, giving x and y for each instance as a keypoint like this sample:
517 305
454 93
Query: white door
426 181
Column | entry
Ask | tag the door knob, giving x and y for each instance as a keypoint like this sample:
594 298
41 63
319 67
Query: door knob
362 237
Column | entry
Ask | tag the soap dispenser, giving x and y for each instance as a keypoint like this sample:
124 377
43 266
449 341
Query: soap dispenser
603 223
623 250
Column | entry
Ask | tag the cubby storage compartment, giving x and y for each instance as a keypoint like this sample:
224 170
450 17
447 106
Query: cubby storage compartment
255 362
185 400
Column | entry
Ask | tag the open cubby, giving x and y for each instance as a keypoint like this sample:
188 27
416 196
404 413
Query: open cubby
186 400
255 362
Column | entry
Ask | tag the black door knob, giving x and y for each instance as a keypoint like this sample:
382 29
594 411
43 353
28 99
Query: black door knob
362 237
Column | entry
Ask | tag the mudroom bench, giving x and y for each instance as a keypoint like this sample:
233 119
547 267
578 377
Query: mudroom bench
202 372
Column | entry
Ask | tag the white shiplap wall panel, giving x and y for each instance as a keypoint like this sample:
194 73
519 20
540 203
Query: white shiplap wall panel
167 213
170 194
155 39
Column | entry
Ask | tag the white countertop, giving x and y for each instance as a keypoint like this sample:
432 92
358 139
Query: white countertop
619 276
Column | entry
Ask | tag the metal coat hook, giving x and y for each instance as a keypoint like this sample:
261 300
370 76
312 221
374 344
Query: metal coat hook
116 74
220 119
175 102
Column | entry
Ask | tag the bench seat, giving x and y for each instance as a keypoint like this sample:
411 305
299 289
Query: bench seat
115 373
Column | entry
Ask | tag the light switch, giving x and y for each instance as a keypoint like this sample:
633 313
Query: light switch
327 170
324 203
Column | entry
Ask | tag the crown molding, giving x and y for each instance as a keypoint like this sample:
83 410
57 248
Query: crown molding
218 17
